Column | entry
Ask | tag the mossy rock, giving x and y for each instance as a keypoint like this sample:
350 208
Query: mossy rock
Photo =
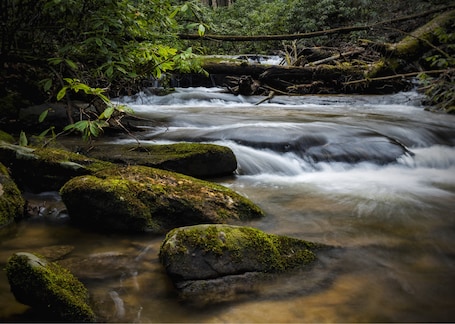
5 137
144 199
48 288
203 258
11 200
45 169
193 159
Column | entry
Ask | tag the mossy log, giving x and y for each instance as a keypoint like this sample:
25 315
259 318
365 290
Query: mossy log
422 39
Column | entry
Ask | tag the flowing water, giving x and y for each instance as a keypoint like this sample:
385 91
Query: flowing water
372 175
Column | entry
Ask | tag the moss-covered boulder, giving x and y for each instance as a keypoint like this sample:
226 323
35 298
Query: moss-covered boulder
48 288
201 259
193 159
11 201
45 169
144 199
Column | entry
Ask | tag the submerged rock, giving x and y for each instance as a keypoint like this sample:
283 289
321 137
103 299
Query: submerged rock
144 199
222 260
11 201
48 288
193 159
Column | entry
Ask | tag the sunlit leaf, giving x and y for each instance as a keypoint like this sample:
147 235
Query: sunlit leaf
107 113
61 93
201 30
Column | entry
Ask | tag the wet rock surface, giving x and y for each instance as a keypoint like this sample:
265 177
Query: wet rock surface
11 201
48 288
225 260
143 199
193 159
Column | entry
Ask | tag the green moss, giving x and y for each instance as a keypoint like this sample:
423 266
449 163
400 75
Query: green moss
112 203
160 153
275 253
139 198
194 159
58 156
196 190
48 287
11 200
6 137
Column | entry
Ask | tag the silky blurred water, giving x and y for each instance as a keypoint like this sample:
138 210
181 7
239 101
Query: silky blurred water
389 211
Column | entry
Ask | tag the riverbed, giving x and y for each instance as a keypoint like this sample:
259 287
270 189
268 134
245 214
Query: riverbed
373 176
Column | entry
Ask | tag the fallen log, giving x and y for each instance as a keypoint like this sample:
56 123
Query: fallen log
422 39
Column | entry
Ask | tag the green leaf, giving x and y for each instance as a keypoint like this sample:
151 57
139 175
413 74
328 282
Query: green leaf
23 139
44 133
121 69
71 64
61 93
104 98
172 15
68 127
81 125
94 129
43 115
201 30
47 84
107 113
55 60
110 71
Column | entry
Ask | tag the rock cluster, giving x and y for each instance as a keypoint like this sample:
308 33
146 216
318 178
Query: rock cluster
202 253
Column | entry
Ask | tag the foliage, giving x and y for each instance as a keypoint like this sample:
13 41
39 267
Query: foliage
440 90
115 45
101 42
246 17
92 126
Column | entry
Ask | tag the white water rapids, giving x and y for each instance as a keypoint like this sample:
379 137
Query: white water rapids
372 175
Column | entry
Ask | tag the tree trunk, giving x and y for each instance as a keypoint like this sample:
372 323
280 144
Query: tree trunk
423 38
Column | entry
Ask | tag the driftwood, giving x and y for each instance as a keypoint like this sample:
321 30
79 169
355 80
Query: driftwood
325 70
344 55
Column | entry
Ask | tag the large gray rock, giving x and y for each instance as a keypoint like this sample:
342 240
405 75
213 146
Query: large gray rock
218 260
11 201
48 288
143 199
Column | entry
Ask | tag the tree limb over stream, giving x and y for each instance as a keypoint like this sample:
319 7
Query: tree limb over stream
367 68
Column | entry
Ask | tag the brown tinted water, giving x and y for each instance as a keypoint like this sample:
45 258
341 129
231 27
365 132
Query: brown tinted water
393 224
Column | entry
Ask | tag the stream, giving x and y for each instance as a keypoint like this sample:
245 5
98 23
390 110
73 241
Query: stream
371 175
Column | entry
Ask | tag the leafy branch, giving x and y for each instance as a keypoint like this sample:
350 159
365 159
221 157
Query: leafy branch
88 126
